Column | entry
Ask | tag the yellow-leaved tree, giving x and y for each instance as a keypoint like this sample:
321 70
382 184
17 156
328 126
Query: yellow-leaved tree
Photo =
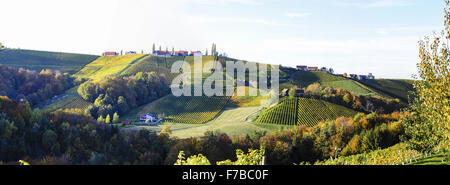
429 122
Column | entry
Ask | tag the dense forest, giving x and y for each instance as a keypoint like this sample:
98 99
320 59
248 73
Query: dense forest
69 138
119 94
31 86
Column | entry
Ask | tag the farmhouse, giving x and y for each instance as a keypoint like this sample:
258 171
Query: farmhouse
131 53
299 92
162 53
181 53
353 76
110 53
302 68
196 53
363 77
313 68
148 118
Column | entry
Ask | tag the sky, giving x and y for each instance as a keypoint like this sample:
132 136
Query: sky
353 36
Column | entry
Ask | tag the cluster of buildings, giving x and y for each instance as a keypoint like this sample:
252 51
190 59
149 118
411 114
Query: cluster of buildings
313 68
358 77
331 71
158 53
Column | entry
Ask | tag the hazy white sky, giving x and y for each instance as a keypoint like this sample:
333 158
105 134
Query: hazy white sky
354 36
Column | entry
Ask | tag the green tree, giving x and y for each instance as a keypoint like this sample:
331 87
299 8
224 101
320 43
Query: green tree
428 125
153 48
192 160
100 119
116 118
165 130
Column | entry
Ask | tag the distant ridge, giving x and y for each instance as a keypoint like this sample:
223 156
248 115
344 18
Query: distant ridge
39 60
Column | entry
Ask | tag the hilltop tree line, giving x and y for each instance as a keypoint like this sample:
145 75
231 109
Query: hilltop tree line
31 86
119 94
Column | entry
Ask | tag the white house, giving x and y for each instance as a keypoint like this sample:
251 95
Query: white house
148 118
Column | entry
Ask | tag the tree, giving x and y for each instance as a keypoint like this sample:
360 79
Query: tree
108 119
345 75
153 48
192 160
100 119
428 124
165 130
116 118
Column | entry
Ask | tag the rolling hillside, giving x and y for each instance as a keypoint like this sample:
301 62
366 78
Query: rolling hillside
108 65
396 88
304 78
160 65
191 110
302 111
69 100
39 60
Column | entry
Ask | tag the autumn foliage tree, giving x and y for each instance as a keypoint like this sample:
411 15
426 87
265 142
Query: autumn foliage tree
428 124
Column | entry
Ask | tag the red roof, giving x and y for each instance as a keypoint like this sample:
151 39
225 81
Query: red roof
180 52
196 52
110 53
313 68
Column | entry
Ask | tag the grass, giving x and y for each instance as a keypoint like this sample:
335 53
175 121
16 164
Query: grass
231 121
305 78
194 110
442 158
39 60
160 65
247 100
349 85
108 65
393 87
69 100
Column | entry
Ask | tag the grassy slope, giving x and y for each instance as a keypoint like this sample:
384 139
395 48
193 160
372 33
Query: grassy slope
69 100
305 78
392 87
38 60
107 65
183 109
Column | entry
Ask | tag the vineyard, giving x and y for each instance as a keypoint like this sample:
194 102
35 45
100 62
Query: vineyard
39 60
191 110
160 65
351 86
107 65
68 102
302 111
305 78
397 88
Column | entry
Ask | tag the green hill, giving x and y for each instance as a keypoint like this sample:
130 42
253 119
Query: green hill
69 100
304 78
39 60
160 65
392 87
302 111
108 65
